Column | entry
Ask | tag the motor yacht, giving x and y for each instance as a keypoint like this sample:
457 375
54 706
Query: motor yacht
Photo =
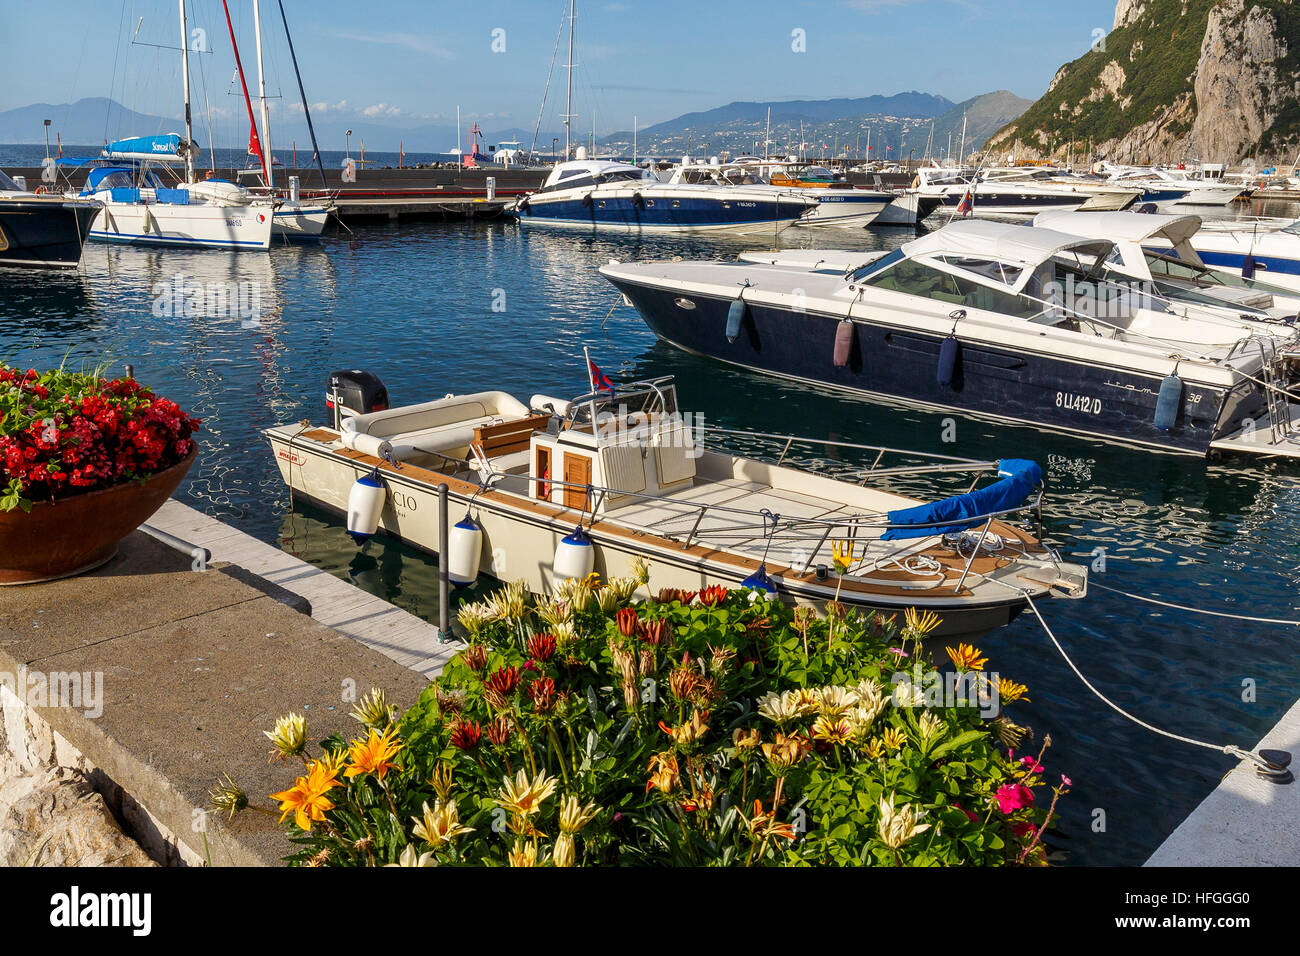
38 229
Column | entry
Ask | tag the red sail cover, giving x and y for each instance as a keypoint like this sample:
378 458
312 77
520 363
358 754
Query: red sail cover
254 144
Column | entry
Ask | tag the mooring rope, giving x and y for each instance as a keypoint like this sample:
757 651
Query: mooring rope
1262 765
1196 610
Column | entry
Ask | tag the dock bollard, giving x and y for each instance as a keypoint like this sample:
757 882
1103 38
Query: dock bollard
294 188
491 183
444 576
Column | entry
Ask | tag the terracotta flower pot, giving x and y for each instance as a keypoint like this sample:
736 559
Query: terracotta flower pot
58 539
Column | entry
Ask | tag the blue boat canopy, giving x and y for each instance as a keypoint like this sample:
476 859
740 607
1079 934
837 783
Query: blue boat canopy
1019 477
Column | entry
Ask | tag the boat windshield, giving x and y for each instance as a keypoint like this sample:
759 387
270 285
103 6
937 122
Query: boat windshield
913 277
884 262
1175 268
1294 228
639 399
8 184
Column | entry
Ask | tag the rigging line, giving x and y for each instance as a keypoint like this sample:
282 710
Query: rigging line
117 52
1196 610
1262 765
545 92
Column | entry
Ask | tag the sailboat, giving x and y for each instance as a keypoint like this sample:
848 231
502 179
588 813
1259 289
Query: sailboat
130 181
293 220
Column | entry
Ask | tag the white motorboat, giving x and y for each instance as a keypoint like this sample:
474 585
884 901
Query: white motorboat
1012 194
557 489
1175 187
839 203
604 195
1160 249
977 317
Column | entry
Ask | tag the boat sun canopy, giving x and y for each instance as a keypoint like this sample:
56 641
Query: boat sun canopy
1018 478
1016 247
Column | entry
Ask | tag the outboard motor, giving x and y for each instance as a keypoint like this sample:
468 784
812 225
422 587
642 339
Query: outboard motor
353 393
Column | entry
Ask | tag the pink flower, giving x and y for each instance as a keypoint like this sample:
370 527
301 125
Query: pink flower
899 651
1013 797
1066 781
1023 828
1033 765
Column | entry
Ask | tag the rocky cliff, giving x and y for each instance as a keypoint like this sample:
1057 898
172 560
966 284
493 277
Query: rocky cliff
1214 80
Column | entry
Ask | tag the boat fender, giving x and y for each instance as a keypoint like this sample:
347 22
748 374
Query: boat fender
365 504
575 556
736 313
760 580
949 356
464 551
587 201
1168 401
1248 266
843 343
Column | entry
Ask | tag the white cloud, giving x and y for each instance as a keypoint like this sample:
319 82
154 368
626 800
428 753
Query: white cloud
410 41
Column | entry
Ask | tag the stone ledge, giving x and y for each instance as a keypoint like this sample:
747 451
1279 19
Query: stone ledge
194 666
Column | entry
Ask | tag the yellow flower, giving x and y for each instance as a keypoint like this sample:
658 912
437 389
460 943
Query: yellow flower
640 570
289 736
920 624
306 799
932 727
441 824
664 773
893 738
842 555
784 752
374 754
564 853
967 658
745 740
898 825
373 710
874 749
523 796
441 780
408 858
834 700
574 816
1009 691
832 729
523 854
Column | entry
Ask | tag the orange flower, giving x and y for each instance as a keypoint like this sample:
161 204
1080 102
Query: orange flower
763 825
374 754
466 734
664 773
306 799
713 596
626 620
504 680
541 647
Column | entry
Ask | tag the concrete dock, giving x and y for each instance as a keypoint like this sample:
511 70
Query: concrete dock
194 661
1246 820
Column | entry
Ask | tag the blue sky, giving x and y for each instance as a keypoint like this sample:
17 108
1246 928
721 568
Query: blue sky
413 61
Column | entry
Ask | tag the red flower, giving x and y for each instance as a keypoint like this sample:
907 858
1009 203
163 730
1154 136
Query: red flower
713 596
541 647
626 620
466 735
1012 797
542 691
504 680
657 632
475 657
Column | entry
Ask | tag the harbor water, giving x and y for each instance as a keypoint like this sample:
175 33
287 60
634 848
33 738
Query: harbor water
436 308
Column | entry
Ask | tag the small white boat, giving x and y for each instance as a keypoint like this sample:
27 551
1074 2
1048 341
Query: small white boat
1266 249
554 489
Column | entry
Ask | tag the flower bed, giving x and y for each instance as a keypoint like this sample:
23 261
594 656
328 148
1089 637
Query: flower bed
65 433
715 728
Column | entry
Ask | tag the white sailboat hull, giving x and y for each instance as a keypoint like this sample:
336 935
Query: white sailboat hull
194 225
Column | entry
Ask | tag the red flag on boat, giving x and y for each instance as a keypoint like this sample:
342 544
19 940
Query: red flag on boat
967 204
599 380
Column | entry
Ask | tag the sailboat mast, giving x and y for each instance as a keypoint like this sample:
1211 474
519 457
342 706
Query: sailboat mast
185 75
268 162
568 96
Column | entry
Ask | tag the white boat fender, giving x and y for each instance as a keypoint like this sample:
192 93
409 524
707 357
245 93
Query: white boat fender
1168 401
575 555
365 504
843 343
464 551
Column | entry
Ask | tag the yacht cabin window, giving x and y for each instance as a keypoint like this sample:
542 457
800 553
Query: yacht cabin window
917 278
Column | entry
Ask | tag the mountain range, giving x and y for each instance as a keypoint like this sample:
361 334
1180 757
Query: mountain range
896 123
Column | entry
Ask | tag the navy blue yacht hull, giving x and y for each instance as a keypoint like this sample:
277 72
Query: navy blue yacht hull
1044 391
44 233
